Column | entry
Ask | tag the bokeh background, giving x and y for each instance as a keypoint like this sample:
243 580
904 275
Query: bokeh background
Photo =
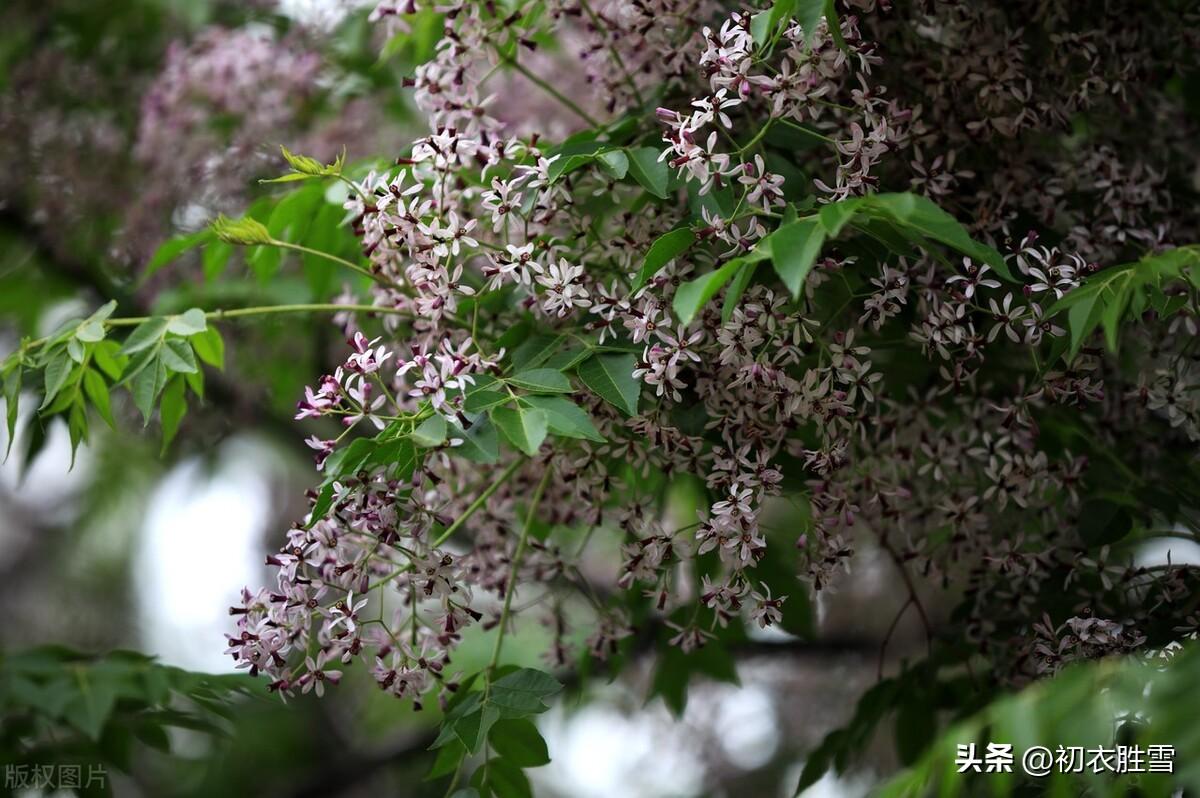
124 124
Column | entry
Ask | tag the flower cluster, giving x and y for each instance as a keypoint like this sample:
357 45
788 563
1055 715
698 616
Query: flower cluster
935 408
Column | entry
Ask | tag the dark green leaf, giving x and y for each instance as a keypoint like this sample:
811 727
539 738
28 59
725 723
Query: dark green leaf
523 691
666 248
172 410
518 741
610 376
541 381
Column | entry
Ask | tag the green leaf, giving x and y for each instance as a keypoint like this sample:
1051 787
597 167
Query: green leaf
472 729
666 248
675 670
172 248
920 214
96 390
794 249
75 350
189 322
615 163
172 410
1082 319
245 232
518 741
89 706
431 432
1102 522
483 400
650 173
500 778
523 691
449 758
525 428
479 443
693 295
321 506
145 335
916 726
737 288
210 347
837 215
535 350
347 460
610 376
92 328
106 355
809 14
176 355
760 27
12 401
146 385
564 417
90 331
541 381
58 372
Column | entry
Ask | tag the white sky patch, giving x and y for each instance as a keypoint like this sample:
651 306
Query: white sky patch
200 545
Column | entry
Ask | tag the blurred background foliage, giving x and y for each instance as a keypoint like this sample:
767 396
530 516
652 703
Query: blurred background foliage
88 197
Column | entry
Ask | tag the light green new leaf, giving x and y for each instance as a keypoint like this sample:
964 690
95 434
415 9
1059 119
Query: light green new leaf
524 427
210 347
610 376
190 322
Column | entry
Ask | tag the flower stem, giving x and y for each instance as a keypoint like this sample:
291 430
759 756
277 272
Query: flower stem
479 501
258 310
512 577
334 259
